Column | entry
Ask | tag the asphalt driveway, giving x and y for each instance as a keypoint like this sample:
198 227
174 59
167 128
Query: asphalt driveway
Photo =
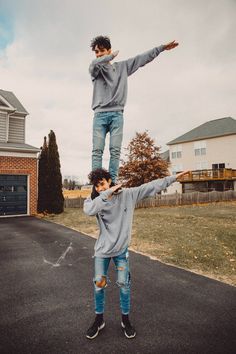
46 299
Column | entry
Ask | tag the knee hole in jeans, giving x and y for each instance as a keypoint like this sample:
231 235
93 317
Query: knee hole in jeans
125 284
102 282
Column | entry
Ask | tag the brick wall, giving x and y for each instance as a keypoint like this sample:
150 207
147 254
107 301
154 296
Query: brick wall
23 166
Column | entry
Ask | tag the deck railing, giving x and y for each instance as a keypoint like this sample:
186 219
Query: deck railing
209 175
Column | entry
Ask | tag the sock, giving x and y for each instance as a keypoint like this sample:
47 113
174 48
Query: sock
125 318
99 317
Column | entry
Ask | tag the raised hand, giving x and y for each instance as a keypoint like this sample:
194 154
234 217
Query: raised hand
181 174
171 45
115 53
114 188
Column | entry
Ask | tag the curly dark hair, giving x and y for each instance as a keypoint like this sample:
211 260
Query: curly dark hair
97 175
101 42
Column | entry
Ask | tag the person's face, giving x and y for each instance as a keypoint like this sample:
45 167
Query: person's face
100 51
103 185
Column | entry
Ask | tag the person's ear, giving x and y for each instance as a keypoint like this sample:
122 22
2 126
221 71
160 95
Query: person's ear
109 51
109 181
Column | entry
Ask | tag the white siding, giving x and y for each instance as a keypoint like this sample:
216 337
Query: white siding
3 126
211 151
216 150
16 130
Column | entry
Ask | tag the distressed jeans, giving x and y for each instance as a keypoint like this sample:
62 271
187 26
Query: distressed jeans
123 281
103 123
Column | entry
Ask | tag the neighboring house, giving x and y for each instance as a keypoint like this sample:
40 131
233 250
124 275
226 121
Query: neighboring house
18 161
209 151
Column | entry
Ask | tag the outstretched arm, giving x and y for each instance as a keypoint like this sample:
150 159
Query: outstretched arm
152 188
171 45
140 60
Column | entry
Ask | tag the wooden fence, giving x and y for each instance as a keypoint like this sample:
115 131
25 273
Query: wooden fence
74 202
170 199
187 199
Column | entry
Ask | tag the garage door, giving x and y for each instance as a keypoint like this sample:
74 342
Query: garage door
13 195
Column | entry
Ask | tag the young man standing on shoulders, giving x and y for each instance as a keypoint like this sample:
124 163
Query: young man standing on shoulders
113 208
109 97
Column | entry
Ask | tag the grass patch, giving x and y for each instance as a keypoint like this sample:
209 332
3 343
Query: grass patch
201 238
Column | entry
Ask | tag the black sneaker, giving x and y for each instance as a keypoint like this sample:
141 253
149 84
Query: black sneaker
129 330
93 331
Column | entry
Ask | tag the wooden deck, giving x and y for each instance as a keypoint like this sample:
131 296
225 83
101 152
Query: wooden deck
209 175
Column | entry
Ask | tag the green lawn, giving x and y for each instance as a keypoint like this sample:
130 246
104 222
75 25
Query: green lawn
201 238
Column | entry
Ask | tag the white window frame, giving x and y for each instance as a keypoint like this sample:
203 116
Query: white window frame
176 152
177 168
202 165
199 148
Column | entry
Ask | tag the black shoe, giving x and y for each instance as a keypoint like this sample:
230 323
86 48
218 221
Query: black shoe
93 331
129 330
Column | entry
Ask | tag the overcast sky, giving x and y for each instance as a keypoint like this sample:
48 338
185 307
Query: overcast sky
45 53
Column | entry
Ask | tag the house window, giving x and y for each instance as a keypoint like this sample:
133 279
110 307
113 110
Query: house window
200 148
176 152
202 165
216 166
177 168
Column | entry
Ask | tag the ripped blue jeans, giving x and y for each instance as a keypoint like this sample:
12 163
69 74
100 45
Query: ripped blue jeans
123 281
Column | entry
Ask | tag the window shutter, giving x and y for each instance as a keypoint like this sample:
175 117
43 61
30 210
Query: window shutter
3 126
16 130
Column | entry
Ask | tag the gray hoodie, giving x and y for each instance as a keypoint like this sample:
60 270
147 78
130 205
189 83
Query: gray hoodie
115 215
110 80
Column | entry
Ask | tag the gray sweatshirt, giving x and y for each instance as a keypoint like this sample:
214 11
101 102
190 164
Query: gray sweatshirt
115 215
110 80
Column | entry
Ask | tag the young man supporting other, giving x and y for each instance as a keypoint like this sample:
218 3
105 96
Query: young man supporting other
113 208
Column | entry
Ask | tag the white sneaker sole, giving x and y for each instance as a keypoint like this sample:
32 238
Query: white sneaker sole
127 336
96 334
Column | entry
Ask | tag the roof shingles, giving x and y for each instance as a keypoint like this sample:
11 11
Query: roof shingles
17 147
13 101
211 129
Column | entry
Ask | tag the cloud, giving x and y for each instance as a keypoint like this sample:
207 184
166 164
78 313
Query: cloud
46 65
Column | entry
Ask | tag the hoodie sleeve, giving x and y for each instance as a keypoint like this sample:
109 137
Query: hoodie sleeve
96 65
150 189
93 206
140 60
